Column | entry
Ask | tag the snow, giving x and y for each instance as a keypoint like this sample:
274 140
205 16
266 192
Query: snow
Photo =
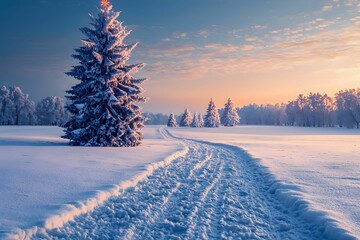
212 192
183 183
44 182
110 115
317 168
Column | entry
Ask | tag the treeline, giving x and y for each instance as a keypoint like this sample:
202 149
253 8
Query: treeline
213 118
17 109
314 110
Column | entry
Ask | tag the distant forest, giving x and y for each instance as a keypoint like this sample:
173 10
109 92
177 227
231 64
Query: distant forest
313 110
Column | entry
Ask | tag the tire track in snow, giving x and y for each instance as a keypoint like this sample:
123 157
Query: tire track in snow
213 192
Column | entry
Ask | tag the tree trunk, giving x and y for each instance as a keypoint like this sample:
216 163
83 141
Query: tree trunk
17 115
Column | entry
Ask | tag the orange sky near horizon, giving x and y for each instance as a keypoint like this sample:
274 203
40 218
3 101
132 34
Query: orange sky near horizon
325 61
254 51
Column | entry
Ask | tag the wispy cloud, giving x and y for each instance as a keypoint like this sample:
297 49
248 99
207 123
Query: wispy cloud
319 41
327 8
204 33
180 35
258 26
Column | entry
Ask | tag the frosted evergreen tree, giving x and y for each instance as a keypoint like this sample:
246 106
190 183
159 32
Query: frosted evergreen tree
16 107
7 107
195 121
186 119
51 111
212 118
24 107
348 108
104 103
172 121
230 117
200 120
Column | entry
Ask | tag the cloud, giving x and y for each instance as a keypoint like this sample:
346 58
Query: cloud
236 33
204 33
178 35
247 47
318 42
251 39
258 26
327 8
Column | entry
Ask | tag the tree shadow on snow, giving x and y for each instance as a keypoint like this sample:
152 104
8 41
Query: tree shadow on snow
36 142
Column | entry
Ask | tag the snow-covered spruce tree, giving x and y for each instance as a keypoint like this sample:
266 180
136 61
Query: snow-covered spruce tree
200 120
195 121
212 118
172 121
51 111
186 119
104 103
229 117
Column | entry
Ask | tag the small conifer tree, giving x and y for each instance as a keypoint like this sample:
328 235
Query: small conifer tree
172 121
195 121
185 119
229 117
200 120
212 118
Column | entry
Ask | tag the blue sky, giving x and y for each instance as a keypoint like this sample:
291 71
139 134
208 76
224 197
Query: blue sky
261 51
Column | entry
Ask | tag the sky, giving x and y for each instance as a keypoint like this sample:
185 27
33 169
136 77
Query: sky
252 51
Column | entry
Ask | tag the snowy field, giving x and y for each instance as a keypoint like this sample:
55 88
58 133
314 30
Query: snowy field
322 164
183 183
45 182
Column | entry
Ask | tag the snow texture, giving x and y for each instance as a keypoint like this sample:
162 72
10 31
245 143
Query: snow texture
215 191
45 183
316 170
218 191
107 93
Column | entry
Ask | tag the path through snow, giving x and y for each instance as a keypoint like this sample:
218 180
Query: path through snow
213 192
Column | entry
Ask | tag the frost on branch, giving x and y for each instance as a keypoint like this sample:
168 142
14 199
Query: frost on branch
104 104
230 117
172 121
212 118
186 119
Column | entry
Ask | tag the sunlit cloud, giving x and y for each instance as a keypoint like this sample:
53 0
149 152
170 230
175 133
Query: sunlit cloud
336 46
327 8
321 48
247 47
251 39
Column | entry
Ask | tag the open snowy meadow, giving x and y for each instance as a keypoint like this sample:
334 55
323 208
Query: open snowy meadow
318 165
44 182
247 182
274 155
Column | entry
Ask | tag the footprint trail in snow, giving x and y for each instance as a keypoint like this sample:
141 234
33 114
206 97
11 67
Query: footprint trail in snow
213 192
